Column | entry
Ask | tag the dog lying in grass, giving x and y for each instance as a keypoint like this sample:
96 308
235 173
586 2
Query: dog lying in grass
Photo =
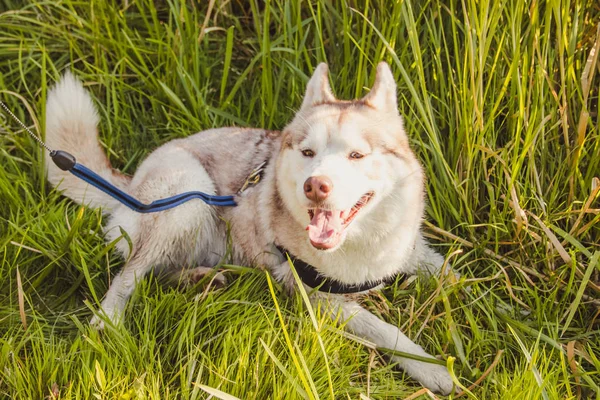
340 192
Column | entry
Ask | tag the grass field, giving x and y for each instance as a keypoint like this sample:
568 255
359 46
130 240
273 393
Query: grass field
500 100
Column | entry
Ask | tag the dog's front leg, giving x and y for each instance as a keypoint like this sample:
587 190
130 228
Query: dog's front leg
366 325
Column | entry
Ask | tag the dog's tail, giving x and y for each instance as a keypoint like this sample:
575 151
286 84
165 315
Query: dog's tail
71 125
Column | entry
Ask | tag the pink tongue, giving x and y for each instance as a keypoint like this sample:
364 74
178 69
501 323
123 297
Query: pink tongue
324 225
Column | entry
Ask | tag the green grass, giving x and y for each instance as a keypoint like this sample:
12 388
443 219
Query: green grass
501 104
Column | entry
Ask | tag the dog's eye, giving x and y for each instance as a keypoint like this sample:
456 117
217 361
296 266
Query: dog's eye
308 153
355 155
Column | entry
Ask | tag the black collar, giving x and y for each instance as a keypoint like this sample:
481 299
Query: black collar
312 278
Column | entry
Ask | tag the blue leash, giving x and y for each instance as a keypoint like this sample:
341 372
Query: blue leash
67 162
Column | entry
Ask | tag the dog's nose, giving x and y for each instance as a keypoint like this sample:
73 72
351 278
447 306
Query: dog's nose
317 188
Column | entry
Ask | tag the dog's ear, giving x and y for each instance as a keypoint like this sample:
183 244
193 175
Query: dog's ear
383 93
318 89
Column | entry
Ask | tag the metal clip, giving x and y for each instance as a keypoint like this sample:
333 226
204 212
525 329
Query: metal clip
254 177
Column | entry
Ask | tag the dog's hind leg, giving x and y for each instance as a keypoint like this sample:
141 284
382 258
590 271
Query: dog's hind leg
189 234
121 289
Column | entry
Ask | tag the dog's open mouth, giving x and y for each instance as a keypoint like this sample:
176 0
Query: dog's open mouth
327 226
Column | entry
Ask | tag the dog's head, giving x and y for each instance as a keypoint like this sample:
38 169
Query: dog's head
344 165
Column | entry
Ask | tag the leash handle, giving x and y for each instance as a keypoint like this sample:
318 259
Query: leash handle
63 160
67 162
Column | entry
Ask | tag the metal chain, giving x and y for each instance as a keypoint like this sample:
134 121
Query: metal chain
26 128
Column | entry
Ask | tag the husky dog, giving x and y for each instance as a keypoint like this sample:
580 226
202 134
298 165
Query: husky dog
341 191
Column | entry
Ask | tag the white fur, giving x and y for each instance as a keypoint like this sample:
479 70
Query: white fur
383 240
71 121
183 233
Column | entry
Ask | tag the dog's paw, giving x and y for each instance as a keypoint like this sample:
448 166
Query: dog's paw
191 277
437 379
97 323
188 278
217 281
433 376
104 316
